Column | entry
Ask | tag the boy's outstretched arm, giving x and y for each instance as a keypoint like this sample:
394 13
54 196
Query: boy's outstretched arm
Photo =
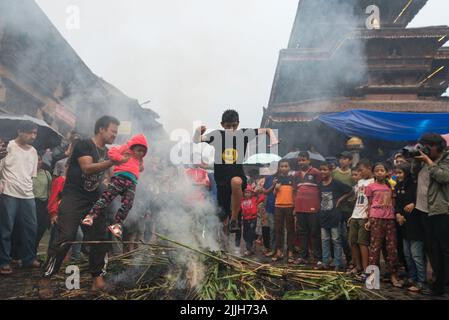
273 139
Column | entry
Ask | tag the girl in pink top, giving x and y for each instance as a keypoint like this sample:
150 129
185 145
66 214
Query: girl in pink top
381 221
123 182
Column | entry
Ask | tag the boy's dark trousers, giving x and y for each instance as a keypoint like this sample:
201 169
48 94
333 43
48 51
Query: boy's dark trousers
72 210
249 233
308 226
238 234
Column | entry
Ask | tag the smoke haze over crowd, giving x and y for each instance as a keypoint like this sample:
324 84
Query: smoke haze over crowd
193 58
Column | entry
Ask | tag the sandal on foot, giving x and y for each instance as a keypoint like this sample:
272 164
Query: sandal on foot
116 230
277 257
354 271
397 283
88 220
36 264
290 259
248 253
361 277
6 270
413 288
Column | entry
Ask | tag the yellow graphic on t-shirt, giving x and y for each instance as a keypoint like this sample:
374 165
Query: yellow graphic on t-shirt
229 156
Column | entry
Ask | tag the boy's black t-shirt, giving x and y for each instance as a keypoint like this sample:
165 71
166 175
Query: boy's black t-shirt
329 215
230 149
76 181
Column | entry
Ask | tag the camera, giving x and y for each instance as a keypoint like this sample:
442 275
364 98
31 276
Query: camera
414 151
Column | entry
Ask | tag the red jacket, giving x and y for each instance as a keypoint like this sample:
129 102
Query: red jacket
132 165
198 177
55 195
200 181
249 207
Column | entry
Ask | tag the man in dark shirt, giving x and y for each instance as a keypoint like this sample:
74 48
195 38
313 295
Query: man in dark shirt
85 172
230 148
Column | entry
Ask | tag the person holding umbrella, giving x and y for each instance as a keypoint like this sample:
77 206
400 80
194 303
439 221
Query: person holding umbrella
18 205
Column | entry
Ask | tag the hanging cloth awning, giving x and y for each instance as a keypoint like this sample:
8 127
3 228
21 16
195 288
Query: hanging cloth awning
390 126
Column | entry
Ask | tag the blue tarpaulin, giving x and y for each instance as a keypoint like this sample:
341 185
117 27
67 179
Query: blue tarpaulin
390 126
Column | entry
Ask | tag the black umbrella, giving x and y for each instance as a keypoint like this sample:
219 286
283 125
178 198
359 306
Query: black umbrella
315 158
47 137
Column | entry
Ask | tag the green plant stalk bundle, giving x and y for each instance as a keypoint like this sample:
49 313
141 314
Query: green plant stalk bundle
227 277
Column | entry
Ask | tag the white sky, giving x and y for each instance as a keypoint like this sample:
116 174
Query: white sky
191 58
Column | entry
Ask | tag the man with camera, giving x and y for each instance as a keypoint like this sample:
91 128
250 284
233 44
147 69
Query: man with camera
433 200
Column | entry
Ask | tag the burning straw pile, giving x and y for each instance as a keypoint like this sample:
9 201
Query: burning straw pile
155 272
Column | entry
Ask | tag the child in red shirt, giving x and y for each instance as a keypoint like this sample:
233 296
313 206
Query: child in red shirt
249 209
201 183
123 182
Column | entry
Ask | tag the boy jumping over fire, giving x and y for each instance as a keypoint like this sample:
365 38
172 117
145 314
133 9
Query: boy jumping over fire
230 147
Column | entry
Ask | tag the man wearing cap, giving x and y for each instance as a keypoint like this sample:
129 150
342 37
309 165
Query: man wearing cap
343 174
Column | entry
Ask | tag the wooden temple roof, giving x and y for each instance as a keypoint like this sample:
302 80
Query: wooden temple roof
310 110
314 16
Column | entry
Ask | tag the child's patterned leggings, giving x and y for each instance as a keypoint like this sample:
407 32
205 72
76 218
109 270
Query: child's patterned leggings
383 230
118 186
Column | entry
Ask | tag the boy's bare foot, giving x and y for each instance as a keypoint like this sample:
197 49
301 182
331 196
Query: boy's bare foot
99 284
45 291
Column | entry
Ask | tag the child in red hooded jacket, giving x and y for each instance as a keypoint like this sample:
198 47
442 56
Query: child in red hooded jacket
123 182
249 208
